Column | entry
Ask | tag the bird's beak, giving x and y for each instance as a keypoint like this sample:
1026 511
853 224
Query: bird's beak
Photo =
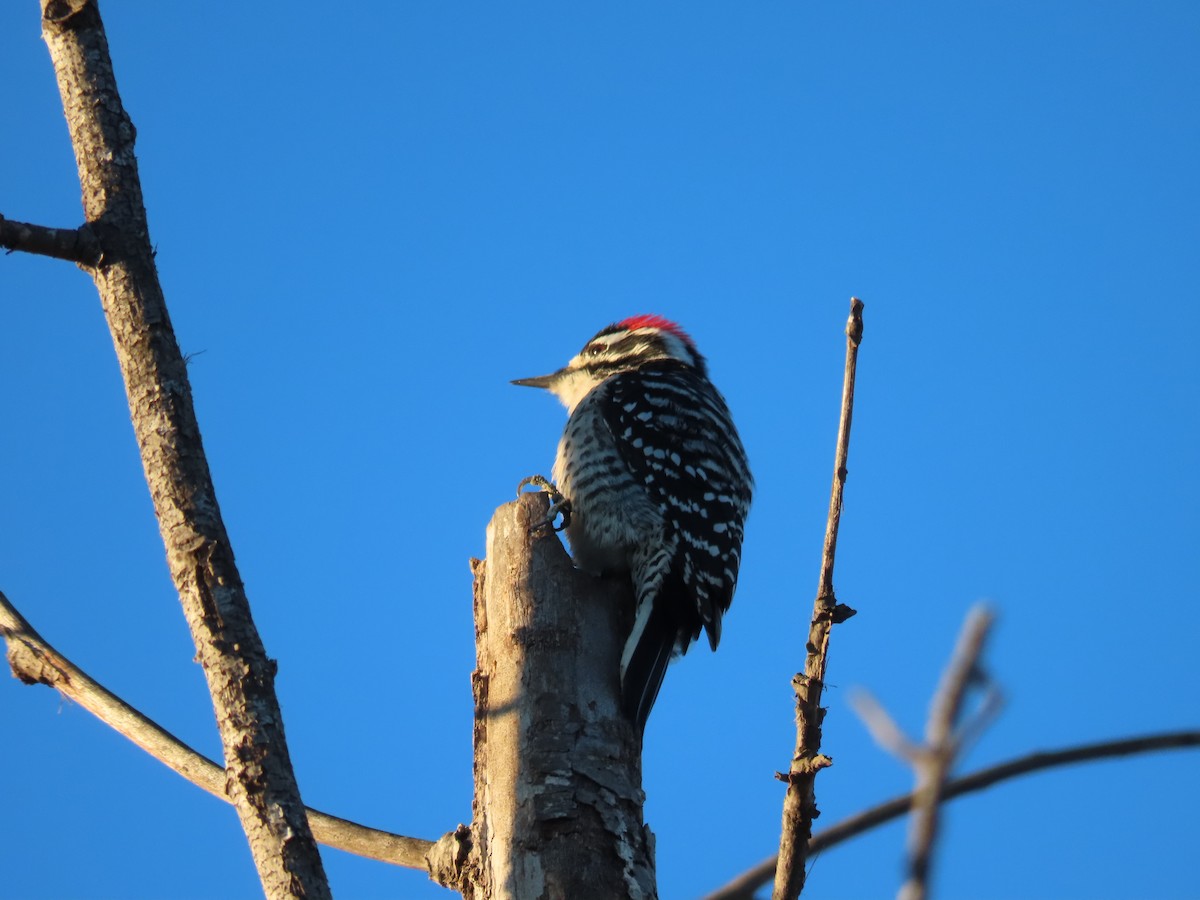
539 381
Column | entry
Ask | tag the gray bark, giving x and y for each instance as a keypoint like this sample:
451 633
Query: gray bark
558 795
259 777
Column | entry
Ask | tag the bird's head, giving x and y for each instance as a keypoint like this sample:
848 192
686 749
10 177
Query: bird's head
621 347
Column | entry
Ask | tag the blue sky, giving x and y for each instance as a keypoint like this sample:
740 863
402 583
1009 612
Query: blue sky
368 222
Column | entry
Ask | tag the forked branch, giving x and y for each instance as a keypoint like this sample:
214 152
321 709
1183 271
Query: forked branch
744 886
948 731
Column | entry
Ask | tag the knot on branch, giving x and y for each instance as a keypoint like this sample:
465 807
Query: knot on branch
28 665
841 612
805 768
808 695
447 859
59 11
801 683
829 610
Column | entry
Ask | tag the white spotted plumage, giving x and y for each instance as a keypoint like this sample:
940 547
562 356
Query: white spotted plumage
659 488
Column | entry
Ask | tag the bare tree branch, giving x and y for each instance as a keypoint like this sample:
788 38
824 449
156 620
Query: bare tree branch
799 805
76 245
883 727
743 886
932 763
241 678
34 661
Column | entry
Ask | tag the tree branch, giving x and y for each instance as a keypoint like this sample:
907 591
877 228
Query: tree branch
933 761
743 886
76 245
34 661
799 805
240 677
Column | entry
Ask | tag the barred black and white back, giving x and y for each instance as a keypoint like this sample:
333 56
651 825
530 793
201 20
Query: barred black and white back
659 487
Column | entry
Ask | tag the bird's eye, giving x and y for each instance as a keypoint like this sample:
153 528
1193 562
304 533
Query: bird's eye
595 349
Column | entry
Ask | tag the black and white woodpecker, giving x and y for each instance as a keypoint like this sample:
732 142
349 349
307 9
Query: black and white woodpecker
658 487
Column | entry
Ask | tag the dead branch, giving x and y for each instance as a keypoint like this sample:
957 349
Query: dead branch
799 805
945 737
744 885
34 661
558 792
261 782
77 245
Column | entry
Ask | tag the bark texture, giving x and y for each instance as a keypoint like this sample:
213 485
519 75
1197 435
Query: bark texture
558 798
259 777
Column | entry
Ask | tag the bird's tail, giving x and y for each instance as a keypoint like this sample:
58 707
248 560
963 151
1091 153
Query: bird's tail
644 662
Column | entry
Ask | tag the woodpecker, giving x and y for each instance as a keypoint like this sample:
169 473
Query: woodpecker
658 488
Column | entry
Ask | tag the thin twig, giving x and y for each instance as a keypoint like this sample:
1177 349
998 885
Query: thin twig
744 885
34 661
799 805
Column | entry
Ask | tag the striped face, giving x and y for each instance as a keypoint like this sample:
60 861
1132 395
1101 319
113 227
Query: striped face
622 347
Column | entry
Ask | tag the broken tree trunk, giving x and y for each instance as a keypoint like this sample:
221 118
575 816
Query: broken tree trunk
558 781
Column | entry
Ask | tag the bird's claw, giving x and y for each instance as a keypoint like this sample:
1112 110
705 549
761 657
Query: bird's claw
542 483
559 505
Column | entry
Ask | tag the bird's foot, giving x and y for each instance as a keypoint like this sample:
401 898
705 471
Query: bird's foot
559 505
